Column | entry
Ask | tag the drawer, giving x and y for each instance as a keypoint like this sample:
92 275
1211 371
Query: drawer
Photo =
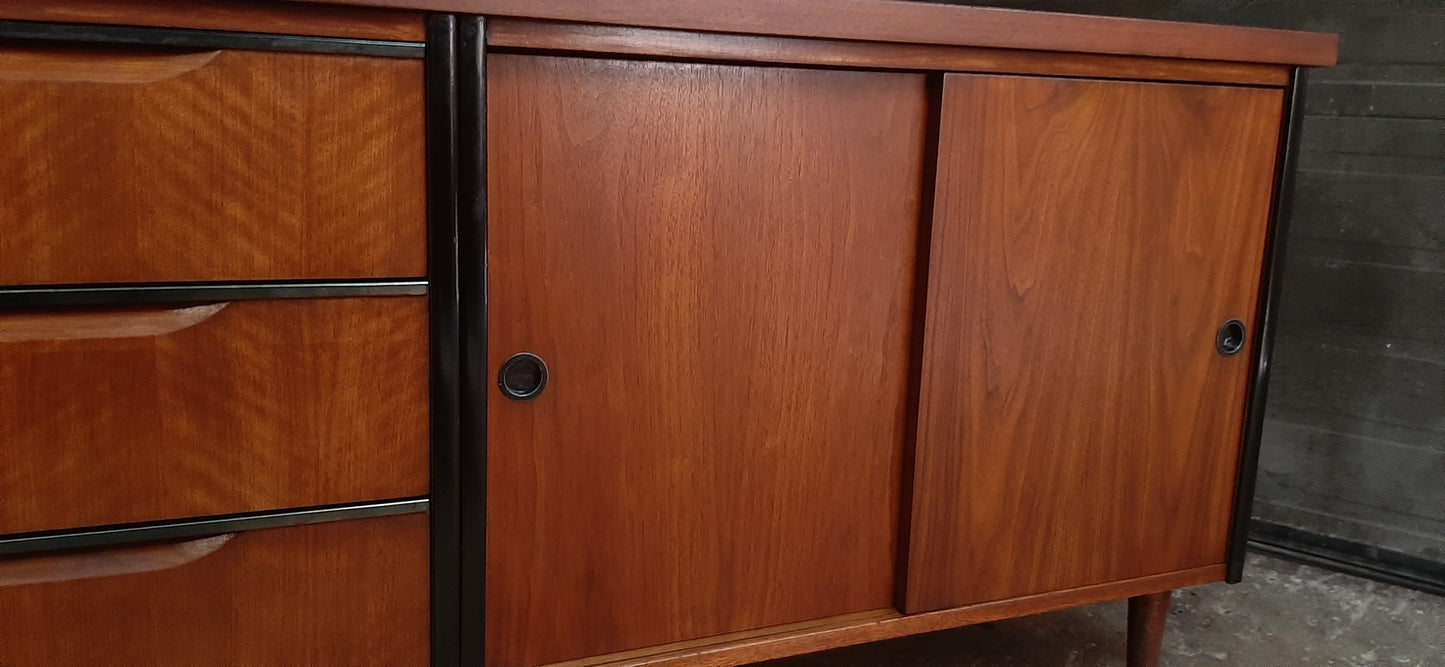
122 416
344 593
148 165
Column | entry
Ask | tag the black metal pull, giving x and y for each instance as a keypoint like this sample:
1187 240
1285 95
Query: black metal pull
523 377
1230 339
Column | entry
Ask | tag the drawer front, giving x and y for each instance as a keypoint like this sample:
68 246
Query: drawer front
123 416
135 165
345 593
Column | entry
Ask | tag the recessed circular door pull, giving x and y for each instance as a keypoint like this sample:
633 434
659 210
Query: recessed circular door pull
523 377
1230 339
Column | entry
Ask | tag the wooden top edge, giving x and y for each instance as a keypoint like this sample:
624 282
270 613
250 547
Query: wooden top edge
591 38
235 15
918 23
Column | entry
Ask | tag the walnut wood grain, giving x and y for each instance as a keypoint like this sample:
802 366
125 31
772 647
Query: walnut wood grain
1076 425
249 166
236 15
265 405
1148 614
18 327
716 262
72 65
344 593
106 563
605 39
852 629
919 23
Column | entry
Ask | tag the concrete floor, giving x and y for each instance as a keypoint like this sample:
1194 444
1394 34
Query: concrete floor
1282 614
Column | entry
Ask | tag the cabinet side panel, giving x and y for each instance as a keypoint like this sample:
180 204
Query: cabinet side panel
716 264
1076 425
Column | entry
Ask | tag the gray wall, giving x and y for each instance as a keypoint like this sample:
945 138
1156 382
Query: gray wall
1354 444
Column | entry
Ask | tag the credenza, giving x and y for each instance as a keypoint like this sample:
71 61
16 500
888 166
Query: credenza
627 332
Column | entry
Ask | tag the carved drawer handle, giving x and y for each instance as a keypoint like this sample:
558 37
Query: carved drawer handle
85 325
84 64
107 563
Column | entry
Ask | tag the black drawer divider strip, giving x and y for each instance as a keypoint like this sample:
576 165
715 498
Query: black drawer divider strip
207 39
188 529
52 296
443 147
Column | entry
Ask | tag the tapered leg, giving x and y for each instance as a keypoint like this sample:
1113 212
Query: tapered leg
1147 614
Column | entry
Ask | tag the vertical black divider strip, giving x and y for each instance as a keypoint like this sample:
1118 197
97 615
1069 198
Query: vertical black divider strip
1266 314
441 143
472 278
915 339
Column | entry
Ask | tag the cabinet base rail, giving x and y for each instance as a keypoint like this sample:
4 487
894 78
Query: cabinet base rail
870 626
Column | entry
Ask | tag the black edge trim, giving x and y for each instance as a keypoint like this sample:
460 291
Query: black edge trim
184 529
441 152
1361 560
71 296
207 39
1266 316
475 389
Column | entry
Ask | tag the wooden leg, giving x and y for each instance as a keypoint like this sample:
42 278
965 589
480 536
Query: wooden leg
1147 614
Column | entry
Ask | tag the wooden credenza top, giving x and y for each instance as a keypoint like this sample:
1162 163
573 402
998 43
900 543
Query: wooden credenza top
918 23
876 21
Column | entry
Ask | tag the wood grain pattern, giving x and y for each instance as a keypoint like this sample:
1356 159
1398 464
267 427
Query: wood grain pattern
239 15
344 593
1148 615
106 563
251 166
267 404
1076 425
919 23
590 38
16 327
71 65
716 262
824 634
